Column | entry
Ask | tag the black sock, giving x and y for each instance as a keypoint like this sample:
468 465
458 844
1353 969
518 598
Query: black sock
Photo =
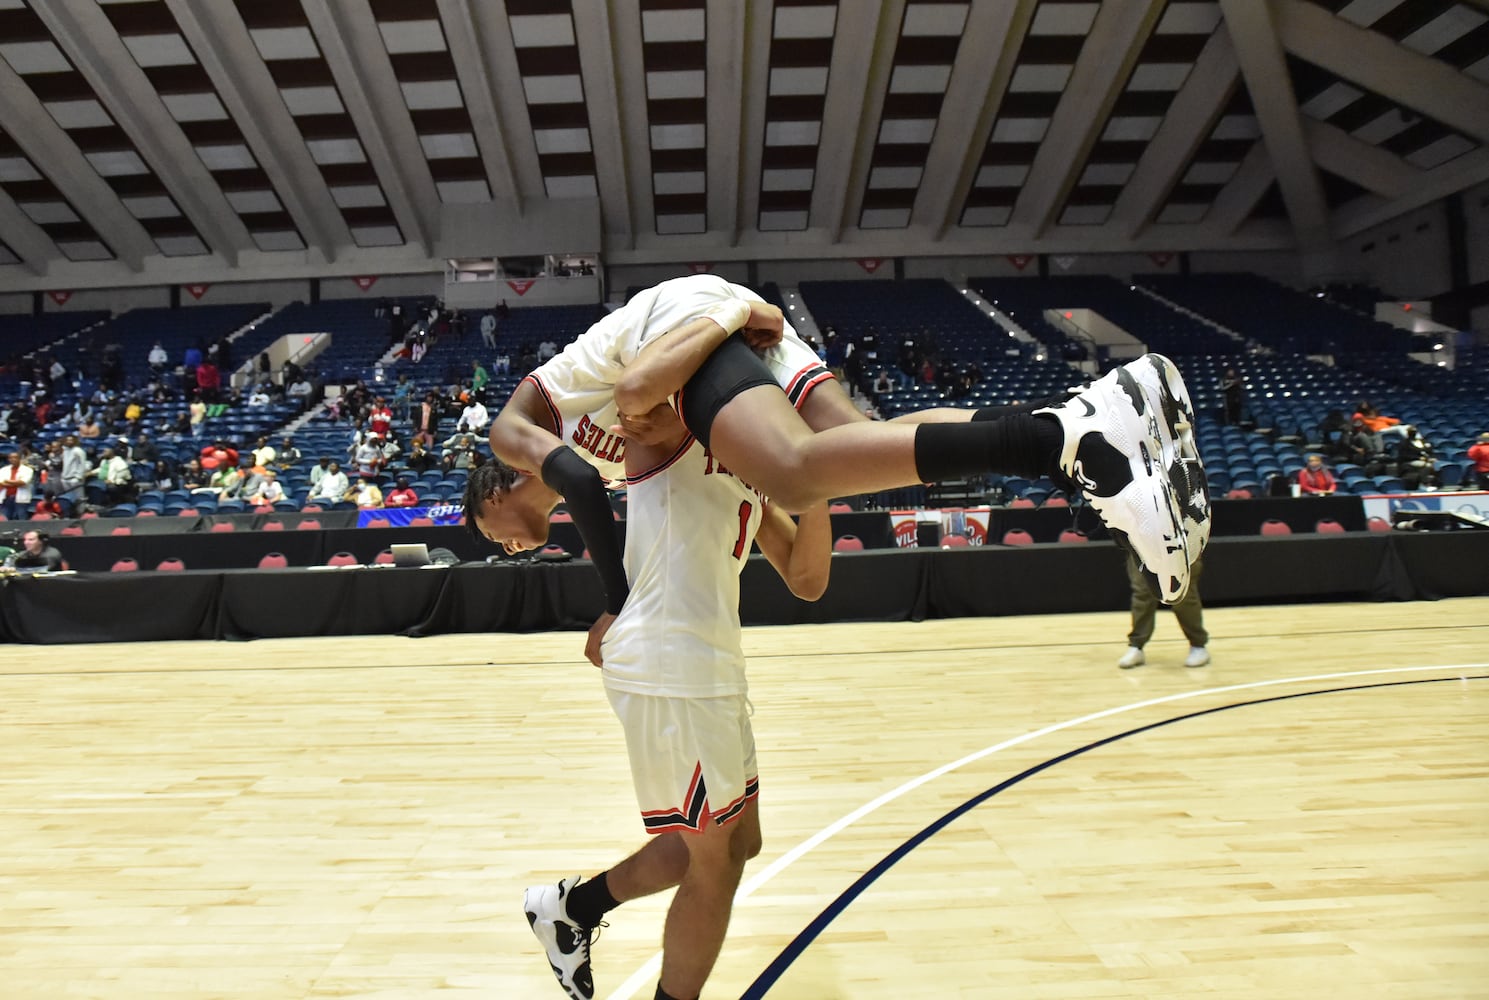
590 900
998 412
1017 445
664 995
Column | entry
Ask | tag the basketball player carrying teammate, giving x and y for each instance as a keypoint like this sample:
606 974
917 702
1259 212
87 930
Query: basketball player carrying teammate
781 422
674 670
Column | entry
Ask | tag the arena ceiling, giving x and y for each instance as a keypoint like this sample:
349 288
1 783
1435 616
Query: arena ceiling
142 137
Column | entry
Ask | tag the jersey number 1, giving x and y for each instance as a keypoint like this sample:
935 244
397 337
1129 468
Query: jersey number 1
745 510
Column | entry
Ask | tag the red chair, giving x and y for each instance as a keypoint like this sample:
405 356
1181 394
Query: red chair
312 508
1377 524
309 524
1272 526
274 560
273 526
560 517
72 529
145 513
1017 536
839 507
122 529
89 514
1070 535
187 512
955 542
171 566
378 522
384 558
1023 502
848 543
223 527
343 559
124 566
1329 526
1239 494
421 522
42 517
1056 502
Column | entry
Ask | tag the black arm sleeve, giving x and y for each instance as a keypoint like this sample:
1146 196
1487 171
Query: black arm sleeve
584 493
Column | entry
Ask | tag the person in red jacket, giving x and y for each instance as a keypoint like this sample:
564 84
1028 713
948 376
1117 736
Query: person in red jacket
219 454
1314 479
208 381
403 496
1478 454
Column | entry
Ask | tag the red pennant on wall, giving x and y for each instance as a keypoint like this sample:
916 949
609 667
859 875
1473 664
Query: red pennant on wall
60 297
1161 258
197 291
1020 260
365 281
699 268
521 285
870 264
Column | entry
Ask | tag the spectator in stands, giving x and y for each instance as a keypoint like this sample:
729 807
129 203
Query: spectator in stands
49 506
113 472
403 397
260 398
225 482
263 452
254 478
380 417
1314 479
1189 612
403 495
503 311
1478 454
198 410
458 452
265 368
37 553
193 476
419 460
365 494
478 378
546 350
90 429
368 456
218 454
332 486
158 359
488 330
503 363
15 487
82 411
288 456
269 492
883 383
74 469
474 417
390 449
426 419
527 358
318 471
1233 393
1414 459
300 388
161 476
209 381
1373 419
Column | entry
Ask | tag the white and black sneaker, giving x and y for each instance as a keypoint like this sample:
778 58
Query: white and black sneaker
1130 450
566 943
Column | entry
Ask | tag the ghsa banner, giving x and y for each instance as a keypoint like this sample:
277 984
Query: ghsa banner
403 517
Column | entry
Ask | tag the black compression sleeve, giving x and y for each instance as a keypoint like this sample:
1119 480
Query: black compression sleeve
584 493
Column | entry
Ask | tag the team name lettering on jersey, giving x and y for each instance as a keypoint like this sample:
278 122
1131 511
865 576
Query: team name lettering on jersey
598 441
713 467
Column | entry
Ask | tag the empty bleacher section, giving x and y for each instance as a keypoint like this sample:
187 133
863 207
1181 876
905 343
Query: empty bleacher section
359 336
20 335
1162 329
137 331
1279 317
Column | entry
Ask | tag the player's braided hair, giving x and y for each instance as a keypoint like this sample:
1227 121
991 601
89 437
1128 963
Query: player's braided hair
484 482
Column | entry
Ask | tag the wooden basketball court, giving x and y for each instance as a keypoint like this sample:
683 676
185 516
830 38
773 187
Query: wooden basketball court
974 808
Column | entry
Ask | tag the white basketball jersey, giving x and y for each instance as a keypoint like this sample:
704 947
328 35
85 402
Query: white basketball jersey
689 528
578 383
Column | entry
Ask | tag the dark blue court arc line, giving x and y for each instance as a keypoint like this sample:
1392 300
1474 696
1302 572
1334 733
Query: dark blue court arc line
792 951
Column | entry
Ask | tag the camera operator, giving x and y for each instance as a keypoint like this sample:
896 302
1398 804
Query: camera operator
36 553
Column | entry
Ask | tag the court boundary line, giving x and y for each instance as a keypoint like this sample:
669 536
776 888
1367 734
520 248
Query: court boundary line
649 970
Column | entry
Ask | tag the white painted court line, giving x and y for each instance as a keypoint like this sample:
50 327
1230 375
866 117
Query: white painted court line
646 975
